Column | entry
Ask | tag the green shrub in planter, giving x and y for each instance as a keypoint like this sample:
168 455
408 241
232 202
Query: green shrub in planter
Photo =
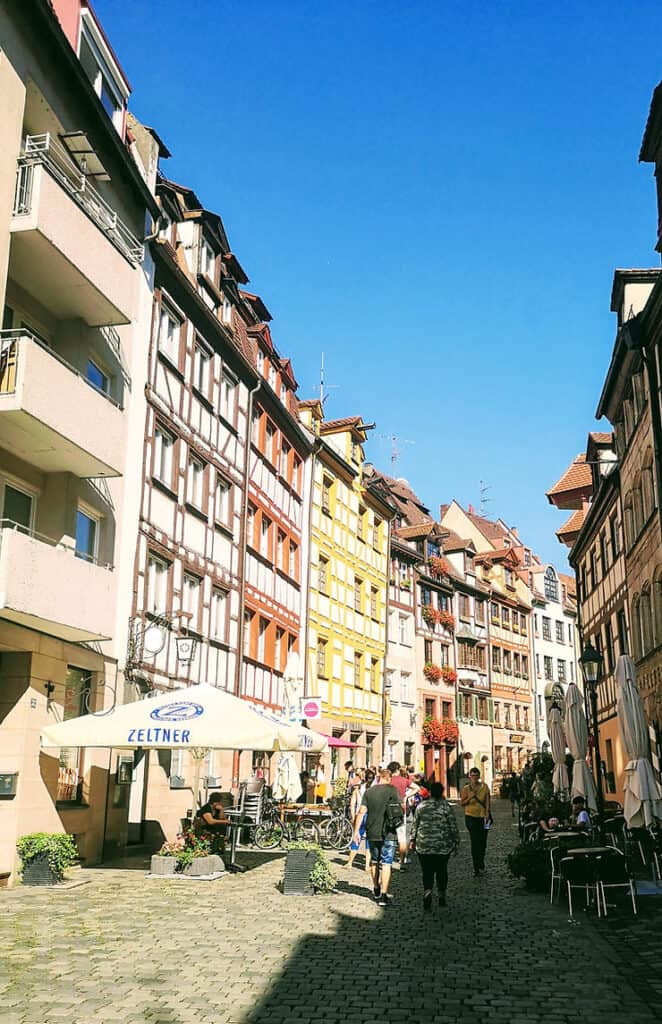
322 877
55 850
531 862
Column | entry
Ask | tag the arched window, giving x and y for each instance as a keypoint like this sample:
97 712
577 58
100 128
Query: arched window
647 485
551 584
657 607
628 521
636 628
637 507
646 621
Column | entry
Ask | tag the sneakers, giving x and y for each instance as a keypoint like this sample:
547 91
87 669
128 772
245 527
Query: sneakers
377 891
383 900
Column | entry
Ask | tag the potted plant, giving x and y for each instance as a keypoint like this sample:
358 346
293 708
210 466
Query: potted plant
439 566
447 620
448 674
430 615
432 672
307 870
531 862
46 856
405 584
200 855
165 861
438 731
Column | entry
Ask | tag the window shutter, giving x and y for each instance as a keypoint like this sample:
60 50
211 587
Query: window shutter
458 706
490 709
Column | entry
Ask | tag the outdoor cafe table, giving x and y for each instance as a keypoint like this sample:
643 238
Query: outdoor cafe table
589 851
561 835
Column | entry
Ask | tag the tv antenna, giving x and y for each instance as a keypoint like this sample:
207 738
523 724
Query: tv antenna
484 500
396 451
323 386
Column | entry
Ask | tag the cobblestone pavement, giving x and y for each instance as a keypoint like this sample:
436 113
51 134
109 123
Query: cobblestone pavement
125 948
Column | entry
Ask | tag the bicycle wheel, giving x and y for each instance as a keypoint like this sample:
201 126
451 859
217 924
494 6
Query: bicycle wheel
339 833
305 828
268 835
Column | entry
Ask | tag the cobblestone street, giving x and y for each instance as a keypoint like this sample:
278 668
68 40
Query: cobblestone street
124 948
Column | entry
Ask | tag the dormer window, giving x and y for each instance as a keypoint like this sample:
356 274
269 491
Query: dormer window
260 362
102 70
272 376
283 392
207 259
226 312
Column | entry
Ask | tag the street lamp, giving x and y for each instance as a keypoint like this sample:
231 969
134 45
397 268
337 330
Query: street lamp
591 665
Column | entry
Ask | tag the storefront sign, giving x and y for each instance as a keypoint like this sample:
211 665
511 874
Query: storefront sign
311 708
516 737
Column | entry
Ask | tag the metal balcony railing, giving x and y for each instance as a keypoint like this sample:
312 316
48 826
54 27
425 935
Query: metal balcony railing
9 356
47 151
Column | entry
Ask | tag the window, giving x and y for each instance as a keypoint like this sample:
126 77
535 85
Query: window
622 631
507 663
270 442
280 550
169 331
283 392
321 657
285 460
226 313
570 633
604 558
592 569
508 720
498 758
265 536
228 394
549 668
496 659
376 532
18 507
201 367
279 649
510 578
327 483
467 706
494 612
518 717
427 650
263 626
249 617
260 362
546 628
443 654
163 452
615 536
218 614
517 671
223 510
256 423
97 63
560 632
373 603
296 474
402 629
551 584
497 715
250 525
323 575
426 596
465 609
482 709
479 611
525 666
157 585
96 377
77 690
505 617
430 706
525 713
207 259
358 604
86 536
293 561
609 648
362 523
195 482
374 675
405 680
191 589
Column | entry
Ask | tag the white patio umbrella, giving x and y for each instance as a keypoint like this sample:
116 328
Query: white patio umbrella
203 717
287 784
292 688
576 733
643 794
557 744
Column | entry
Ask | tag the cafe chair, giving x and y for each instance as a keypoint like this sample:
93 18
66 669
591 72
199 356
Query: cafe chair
612 872
614 829
638 839
579 873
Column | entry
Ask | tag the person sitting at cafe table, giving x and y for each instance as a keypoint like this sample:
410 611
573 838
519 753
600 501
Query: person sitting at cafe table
211 817
580 815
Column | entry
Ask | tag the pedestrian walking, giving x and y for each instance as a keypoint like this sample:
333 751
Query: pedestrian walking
383 816
399 782
354 806
434 836
475 798
514 787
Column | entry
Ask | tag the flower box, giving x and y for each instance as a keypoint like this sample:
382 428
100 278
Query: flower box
210 865
433 673
439 731
162 865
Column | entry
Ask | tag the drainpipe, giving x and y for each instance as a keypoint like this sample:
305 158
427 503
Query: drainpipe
243 543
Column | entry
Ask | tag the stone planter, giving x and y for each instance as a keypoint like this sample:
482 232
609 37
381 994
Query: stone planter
210 865
296 878
38 872
163 865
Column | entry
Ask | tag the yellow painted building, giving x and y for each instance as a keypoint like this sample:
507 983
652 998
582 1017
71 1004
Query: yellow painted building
347 590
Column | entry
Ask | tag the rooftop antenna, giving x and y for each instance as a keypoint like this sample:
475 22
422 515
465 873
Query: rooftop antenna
323 385
484 500
396 452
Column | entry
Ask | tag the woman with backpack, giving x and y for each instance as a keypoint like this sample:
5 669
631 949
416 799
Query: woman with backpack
434 836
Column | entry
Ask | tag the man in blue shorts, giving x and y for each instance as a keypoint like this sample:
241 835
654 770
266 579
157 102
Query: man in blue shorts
380 836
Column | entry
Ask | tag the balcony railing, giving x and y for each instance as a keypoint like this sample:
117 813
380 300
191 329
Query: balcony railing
28 531
44 149
9 349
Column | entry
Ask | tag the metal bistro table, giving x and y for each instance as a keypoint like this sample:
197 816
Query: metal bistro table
589 851
235 827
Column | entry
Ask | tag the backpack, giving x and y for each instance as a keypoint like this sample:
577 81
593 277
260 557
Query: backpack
393 815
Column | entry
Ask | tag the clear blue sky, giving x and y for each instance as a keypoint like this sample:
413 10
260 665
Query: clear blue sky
433 194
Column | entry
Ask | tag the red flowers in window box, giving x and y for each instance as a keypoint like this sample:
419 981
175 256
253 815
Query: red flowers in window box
448 674
433 673
439 566
438 731
430 615
447 620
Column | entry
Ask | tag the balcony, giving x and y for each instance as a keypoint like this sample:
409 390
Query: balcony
51 417
44 586
69 248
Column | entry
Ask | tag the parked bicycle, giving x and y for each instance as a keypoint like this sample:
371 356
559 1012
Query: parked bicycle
337 830
275 828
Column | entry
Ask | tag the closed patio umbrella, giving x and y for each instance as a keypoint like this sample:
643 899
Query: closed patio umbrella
557 744
576 733
203 717
643 794
287 785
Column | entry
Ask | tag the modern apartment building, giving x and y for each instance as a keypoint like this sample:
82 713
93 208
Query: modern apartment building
75 288
348 585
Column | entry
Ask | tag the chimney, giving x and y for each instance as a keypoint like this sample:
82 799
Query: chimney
471 510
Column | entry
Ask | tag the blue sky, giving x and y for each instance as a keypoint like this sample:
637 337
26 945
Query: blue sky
435 195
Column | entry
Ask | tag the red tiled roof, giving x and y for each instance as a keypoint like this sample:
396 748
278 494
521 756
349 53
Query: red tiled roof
600 437
570 582
419 530
491 531
451 541
574 524
577 477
